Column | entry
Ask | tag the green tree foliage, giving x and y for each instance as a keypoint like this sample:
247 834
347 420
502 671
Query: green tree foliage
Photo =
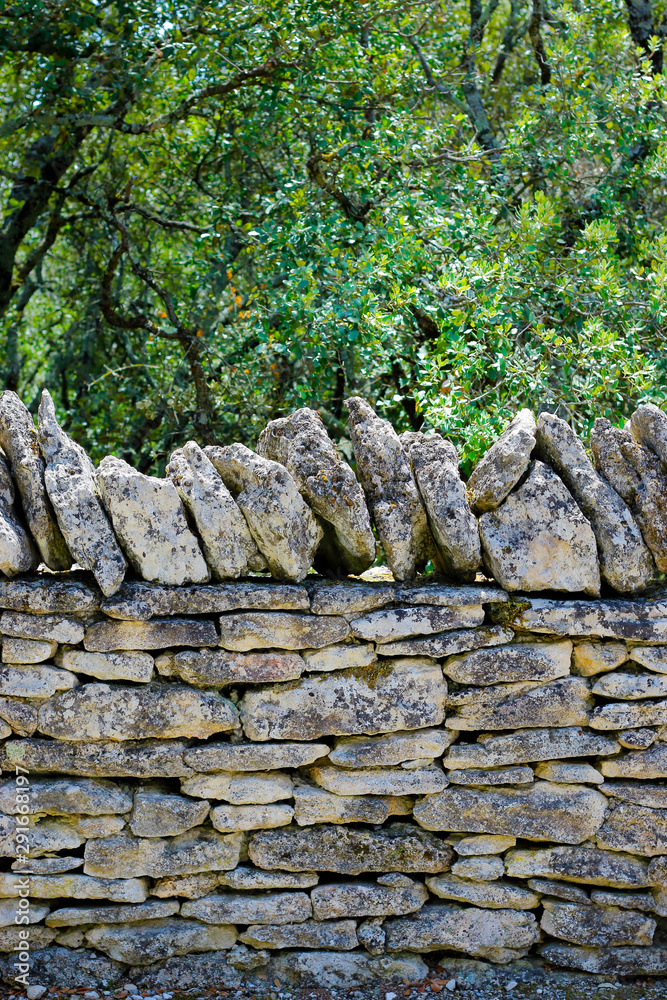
215 212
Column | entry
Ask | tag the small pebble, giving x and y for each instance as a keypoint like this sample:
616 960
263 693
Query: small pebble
451 985
390 996
35 992
512 983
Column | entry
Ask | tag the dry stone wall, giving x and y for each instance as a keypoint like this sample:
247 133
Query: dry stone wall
220 762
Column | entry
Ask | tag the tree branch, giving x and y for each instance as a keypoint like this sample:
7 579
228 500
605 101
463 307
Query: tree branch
535 32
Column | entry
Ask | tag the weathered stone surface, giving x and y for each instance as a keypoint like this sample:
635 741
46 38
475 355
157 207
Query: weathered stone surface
479 868
37 681
395 624
350 851
636 475
596 925
657 872
499 935
648 425
568 772
73 916
485 843
449 643
66 796
491 895
122 890
152 940
47 866
103 712
635 828
631 686
106 637
401 694
198 850
503 465
9 910
149 520
625 561
5 730
240 788
255 878
315 805
637 739
371 935
496 776
251 757
590 658
126 666
641 620
242 908
612 961
579 864
218 668
343 970
229 819
340 656
329 486
560 890
651 763
429 590
99 826
539 539
50 594
144 759
526 661
228 546
27 650
435 466
284 529
529 745
639 792
53 966
189 971
378 780
367 899
569 814
18 440
156 813
392 748
188 886
70 480
271 629
52 628
12 940
339 935
139 601
651 657
627 716
524 705
642 901
349 597
18 553
46 837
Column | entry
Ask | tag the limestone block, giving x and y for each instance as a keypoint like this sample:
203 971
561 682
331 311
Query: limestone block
66 797
429 590
220 668
350 851
68 886
485 843
637 739
27 650
284 528
229 548
392 748
100 712
5 730
560 890
280 629
651 657
250 757
74 916
642 901
526 661
371 935
339 935
640 620
395 624
630 827
156 813
579 864
398 695
596 925
105 637
626 563
189 971
590 658
568 814
98 826
188 886
349 597
495 895
503 465
539 539
18 440
621 715
329 486
391 492
22 718
139 601
657 872
44 594
367 899
127 666
435 466
639 792
631 686
449 643
71 484
340 656
378 780
524 705
609 961
228 819
569 773
529 745
199 850
18 553
480 868
50 628
9 911
651 763
37 681
47 866
240 788
244 908
497 935
153 940
315 805
255 878
344 970
495 776
648 425
104 759
46 837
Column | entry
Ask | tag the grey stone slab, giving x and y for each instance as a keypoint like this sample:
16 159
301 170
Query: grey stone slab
139 601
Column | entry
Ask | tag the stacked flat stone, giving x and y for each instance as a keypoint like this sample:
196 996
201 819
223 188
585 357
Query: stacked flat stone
329 782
